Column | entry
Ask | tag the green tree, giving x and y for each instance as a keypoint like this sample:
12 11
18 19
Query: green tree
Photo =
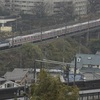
61 48
50 88
94 45
30 52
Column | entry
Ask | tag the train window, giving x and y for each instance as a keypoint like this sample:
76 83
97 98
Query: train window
38 36
28 38
63 30
32 37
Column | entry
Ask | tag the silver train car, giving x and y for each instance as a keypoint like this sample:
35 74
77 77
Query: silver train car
19 40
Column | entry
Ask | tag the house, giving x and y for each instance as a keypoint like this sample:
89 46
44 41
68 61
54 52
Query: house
88 60
26 75
9 84
2 80
19 75
88 65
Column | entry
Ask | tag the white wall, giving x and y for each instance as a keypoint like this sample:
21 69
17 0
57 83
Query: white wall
9 84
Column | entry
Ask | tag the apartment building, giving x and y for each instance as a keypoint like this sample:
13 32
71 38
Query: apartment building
26 6
61 6
80 6
2 4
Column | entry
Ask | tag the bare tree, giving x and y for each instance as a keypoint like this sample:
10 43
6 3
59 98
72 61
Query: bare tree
1 4
94 6
3 10
41 9
65 10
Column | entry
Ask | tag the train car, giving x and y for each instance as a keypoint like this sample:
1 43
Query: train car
4 45
14 41
55 32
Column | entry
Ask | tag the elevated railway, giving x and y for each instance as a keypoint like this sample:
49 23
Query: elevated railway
71 30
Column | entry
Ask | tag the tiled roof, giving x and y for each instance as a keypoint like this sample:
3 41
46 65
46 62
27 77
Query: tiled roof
87 59
91 73
16 74
2 79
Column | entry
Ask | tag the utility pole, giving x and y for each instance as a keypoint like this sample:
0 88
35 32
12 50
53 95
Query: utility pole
87 35
67 66
34 74
75 69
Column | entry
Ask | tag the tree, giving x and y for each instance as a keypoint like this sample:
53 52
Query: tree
3 11
50 88
61 48
94 6
65 10
94 45
29 52
40 9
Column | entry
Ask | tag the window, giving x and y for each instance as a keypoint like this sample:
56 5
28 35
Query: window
89 58
78 59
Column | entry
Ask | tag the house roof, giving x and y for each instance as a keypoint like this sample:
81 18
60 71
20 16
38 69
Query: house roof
91 73
10 82
78 77
16 74
2 79
87 59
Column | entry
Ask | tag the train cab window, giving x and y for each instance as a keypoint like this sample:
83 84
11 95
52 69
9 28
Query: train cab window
25 39
14 41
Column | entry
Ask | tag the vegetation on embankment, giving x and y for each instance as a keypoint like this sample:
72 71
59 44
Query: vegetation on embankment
24 56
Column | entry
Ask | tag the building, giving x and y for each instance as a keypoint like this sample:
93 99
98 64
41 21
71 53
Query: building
88 60
9 84
88 65
80 7
26 6
60 7
2 3
2 80
24 76
20 75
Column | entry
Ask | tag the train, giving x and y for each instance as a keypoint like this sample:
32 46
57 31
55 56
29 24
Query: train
53 33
